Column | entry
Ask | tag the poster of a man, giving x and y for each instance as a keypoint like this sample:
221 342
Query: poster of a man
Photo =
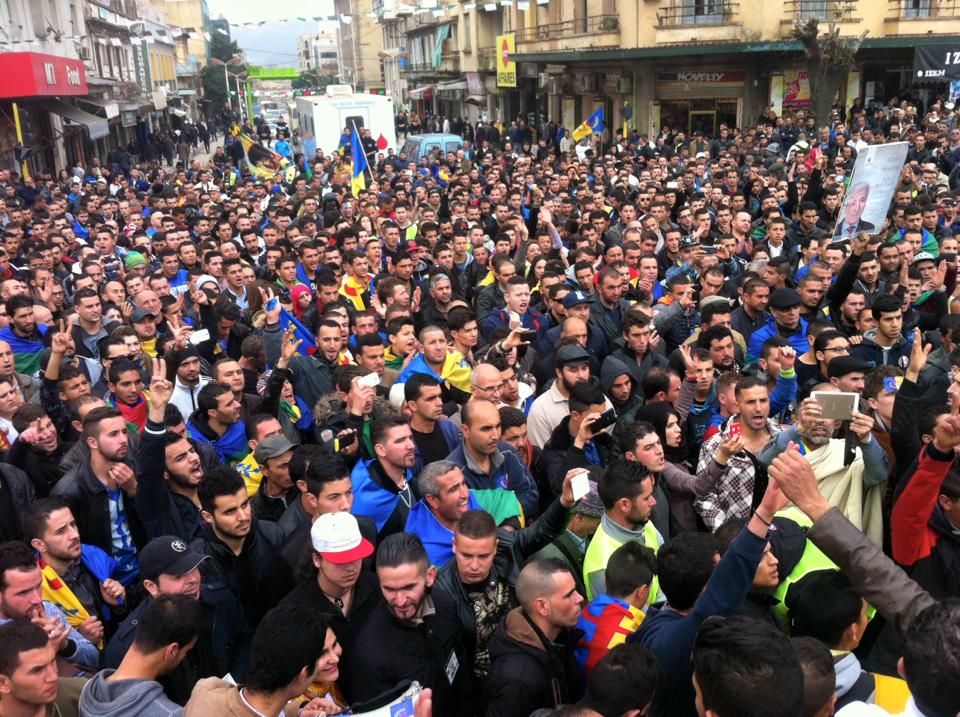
875 176
851 221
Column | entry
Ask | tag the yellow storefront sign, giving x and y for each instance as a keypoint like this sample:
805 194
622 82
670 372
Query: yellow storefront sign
506 67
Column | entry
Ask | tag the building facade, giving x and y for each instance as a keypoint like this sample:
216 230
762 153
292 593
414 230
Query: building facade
360 44
319 51
688 64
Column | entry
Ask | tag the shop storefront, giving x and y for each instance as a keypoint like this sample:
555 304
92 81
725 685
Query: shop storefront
691 100
28 82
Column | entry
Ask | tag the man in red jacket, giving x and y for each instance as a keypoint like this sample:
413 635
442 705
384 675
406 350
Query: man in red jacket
926 517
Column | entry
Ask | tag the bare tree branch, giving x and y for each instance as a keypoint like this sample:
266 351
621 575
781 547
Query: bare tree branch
830 58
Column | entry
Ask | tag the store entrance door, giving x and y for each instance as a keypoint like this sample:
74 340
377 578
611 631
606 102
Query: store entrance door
705 121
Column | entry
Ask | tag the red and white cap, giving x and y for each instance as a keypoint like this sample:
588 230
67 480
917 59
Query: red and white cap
336 536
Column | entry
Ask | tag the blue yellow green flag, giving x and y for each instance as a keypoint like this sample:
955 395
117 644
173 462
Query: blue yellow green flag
359 181
593 124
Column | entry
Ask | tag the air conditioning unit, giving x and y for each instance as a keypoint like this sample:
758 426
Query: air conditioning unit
584 84
624 86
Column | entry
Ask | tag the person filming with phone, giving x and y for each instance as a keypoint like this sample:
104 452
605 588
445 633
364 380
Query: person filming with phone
582 439
849 463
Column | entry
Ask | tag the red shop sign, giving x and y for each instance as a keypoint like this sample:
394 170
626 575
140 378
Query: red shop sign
31 74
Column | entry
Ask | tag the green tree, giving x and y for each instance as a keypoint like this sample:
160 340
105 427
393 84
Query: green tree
222 49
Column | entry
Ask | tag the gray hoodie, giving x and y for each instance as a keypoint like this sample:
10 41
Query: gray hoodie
125 698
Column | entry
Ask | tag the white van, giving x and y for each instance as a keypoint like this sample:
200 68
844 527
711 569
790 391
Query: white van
321 118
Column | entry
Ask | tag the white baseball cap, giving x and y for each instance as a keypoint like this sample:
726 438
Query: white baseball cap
336 536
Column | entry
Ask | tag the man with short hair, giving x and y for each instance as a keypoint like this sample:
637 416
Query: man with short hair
21 599
24 335
29 674
76 577
167 631
241 549
102 491
434 436
413 633
517 313
487 463
448 367
885 345
532 651
216 422
754 655
697 587
383 487
626 489
617 613
286 657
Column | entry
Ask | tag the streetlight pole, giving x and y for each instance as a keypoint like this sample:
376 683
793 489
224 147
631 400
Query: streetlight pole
235 60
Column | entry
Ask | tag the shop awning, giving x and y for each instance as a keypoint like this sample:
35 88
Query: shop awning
97 126
452 85
178 112
186 93
421 93
477 99
107 109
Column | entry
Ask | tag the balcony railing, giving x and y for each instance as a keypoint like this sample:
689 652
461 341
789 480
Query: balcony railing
683 13
486 57
567 28
828 10
925 9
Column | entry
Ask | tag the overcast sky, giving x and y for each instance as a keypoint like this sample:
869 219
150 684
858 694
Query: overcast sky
274 43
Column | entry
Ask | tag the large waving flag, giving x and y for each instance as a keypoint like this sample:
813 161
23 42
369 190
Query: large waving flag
359 181
593 124
309 345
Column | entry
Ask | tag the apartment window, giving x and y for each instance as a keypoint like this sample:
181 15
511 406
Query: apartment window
697 12
467 44
915 8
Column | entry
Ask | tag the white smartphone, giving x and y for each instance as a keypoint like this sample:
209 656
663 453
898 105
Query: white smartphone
371 379
837 406
580 485
198 337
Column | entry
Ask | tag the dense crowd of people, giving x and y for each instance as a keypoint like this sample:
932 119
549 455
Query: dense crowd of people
610 428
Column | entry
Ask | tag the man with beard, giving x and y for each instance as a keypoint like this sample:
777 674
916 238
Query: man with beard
169 567
184 365
851 471
571 366
102 491
732 496
242 550
217 423
718 340
413 633
89 595
168 469
383 487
